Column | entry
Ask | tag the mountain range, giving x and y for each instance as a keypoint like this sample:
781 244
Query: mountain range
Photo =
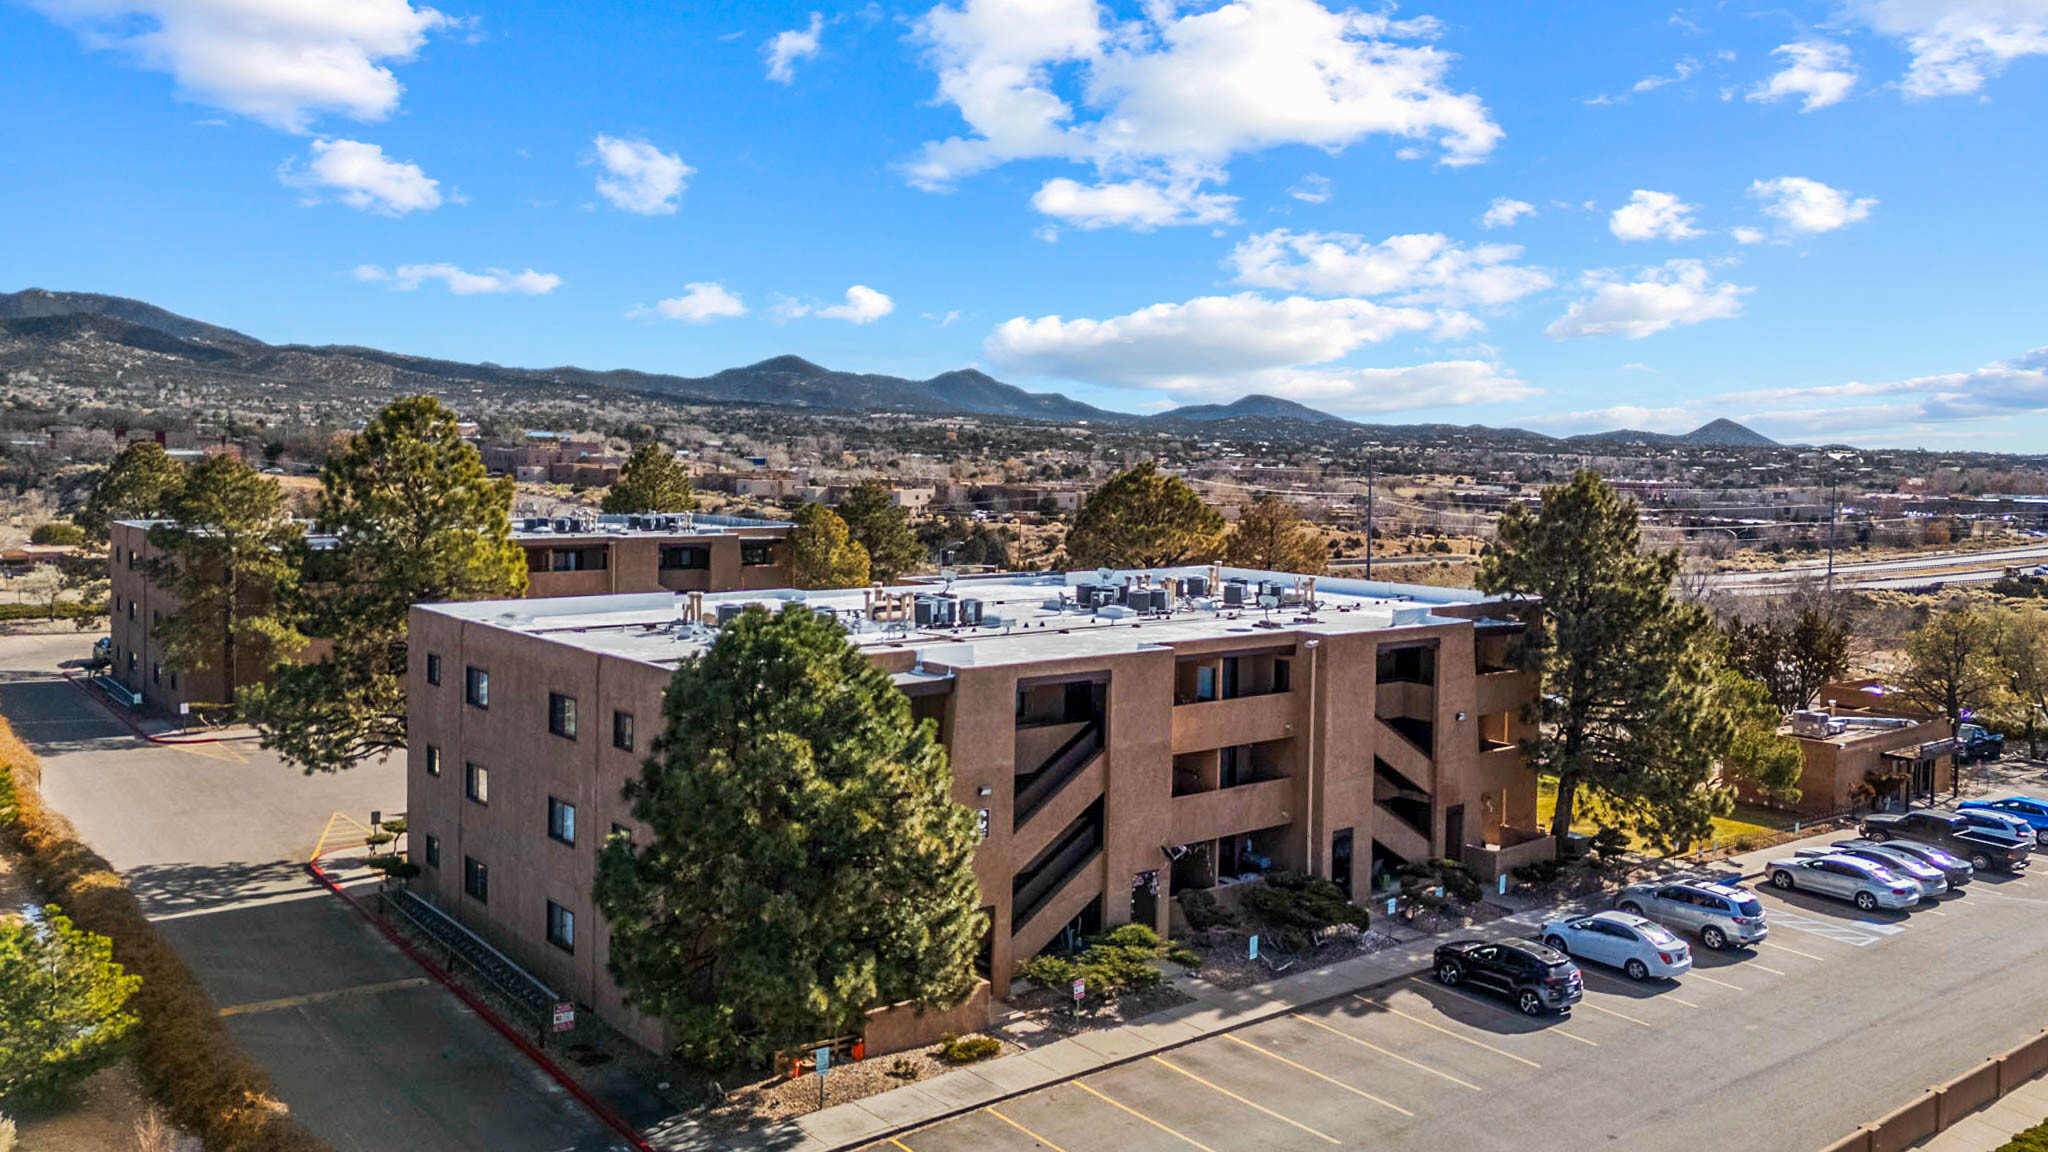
88 338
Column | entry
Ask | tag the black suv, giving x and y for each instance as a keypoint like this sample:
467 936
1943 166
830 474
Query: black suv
1984 850
1538 979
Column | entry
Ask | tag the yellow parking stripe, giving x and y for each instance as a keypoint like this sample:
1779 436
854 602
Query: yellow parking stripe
906 1148
1448 1032
322 997
1181 1136
1164 1062
1711 980
1318 1075
1471 998
1383 1051
1019 1127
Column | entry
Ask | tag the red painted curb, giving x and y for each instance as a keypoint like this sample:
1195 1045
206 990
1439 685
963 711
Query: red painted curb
596 1107
85 686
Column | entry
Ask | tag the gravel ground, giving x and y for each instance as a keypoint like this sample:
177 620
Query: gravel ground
1227 963
782 1097
1043 1015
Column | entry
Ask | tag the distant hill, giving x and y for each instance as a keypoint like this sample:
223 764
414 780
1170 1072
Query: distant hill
1722 433
1251 407
36 303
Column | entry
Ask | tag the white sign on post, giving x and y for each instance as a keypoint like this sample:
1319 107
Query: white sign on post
1392 902
565 1016
1080 989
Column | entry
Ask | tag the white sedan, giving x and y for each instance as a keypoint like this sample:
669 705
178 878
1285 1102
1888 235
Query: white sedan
1639 947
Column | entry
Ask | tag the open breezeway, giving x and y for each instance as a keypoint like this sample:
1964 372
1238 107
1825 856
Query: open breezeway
1837 1018
212 839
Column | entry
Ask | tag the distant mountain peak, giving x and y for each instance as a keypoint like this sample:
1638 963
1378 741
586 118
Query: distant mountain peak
1255 406
1721 433
41 303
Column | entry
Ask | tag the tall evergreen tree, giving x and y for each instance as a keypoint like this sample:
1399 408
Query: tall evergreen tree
2019 654
414 519
63 1006
1635 701
652 480
822 553
1143 518
140 484
225 558
803 859
1269 534
1791 653
882 527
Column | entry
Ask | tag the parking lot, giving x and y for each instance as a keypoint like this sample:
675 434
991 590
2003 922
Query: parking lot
1835 1019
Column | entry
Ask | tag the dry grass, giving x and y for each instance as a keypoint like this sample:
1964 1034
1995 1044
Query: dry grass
184 1053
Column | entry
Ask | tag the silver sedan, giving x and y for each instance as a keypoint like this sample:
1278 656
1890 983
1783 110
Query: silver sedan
1868 886
1639 947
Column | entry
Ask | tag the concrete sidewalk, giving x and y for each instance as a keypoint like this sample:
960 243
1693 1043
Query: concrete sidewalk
1990 1127
1214 1011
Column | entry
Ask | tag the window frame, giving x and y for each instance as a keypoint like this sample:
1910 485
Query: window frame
431 851
476 880
434 668
626 744
476 687
557 824
474 773
565 918
562 715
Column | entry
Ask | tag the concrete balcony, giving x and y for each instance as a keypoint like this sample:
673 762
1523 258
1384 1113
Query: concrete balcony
1405 698
588 583
1231 811
1222 723
1501 692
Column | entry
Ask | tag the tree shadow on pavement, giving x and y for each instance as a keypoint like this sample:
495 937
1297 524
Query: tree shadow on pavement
172 889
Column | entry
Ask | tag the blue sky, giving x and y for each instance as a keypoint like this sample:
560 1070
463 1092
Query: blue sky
1822 219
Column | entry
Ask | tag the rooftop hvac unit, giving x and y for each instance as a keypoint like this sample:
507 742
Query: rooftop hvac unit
534 524
727 613
1268 600
936 612
1233 593
1089 595
1810 722
1115 611
970 613
993 621
1155 600
1195 586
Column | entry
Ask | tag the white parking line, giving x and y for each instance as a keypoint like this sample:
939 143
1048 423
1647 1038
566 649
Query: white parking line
1862 934
1661 996
1709 979
1796 952
1761 968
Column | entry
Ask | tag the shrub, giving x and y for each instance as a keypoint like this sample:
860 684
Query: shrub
1291 906
6 1133
1608 845
967 1049
1203 912
1118 962
1132 936
182 1049
2034 1139
1183 955
1743 844
1538 872
1049 971
1419 880
58 532
63 1007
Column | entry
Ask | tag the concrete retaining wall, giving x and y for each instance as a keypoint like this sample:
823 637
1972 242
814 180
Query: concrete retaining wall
900 1026
1948 1103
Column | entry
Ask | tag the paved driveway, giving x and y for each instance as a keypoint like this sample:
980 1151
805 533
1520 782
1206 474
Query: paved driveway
365 1051
1838 1018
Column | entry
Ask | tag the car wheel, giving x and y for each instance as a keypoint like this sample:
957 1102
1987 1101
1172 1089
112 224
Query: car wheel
2041 837
1450 972
1782 880
1631 907
1980 861
1530 1003
1637 970
1713 938
1866 902
1555 941
1879 836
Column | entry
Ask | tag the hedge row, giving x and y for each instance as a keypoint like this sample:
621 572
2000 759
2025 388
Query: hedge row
66 610
183 1051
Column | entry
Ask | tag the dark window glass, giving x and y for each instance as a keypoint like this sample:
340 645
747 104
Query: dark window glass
561 927
477 783
755 553
622 731
561 820
433 850
562 715
433 760
476 879
684 556
477 687
433 667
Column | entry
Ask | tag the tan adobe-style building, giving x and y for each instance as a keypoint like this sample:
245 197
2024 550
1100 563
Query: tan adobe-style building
1862 745
566 556
1121 736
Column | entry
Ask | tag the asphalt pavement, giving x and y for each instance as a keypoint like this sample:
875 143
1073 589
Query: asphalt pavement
364 1049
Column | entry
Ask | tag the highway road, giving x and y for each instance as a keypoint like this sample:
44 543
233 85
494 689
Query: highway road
1911 572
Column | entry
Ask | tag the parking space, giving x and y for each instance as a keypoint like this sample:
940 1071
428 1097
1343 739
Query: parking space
1835 1018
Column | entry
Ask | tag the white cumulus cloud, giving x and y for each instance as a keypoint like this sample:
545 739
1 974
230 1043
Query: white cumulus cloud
362 177
1174 94
490 281
1680 72
1649 215
1425 268
1676 294
702 301
1503 212
1313 189
864 305
638 177
785 48
1999 389
1139 204
1818 70
1957 45
280 62
1803 207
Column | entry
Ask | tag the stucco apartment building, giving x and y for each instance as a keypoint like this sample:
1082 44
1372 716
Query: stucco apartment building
1121 736
679 552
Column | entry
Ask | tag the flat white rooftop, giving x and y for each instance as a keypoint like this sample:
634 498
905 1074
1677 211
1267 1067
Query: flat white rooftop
1025 619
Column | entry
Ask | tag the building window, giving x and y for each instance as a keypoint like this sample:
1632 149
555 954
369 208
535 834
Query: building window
476 879
155 618
156 672
433 850
756 553
477 783
433 760
562 715
433 667
131 609
622 731
685 556
561 821
477 688
174 681
561 927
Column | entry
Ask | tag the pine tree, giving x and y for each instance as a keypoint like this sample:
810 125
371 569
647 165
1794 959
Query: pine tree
225 558
652 480
1270 535
822 553
414 519
1143 518
882 527
803 859
140 484
1948 668
63 1007
1791 653
1636 700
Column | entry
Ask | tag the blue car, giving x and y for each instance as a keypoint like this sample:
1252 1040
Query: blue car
2025 809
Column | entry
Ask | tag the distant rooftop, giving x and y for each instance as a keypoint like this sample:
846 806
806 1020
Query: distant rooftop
1023 618
645 524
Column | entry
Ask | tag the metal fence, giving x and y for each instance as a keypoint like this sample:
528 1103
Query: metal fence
466 952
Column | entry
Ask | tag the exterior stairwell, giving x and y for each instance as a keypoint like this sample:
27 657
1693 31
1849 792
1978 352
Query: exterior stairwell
1060 881
1403 811
1035 788
1401 753
1059 809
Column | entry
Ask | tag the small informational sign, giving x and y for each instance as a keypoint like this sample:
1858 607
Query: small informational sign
1393 903
564 1016
1080 989
1503 883
1255 948
824 1058
184 709
981 821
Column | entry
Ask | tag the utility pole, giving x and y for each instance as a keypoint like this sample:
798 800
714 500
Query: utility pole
1834 513
1370 457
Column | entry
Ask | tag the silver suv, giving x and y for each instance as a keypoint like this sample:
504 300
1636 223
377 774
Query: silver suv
1721 914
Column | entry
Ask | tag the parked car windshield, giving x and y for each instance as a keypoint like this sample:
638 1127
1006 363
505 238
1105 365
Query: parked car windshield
1749 906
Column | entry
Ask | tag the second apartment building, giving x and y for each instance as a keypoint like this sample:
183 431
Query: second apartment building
1120 736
